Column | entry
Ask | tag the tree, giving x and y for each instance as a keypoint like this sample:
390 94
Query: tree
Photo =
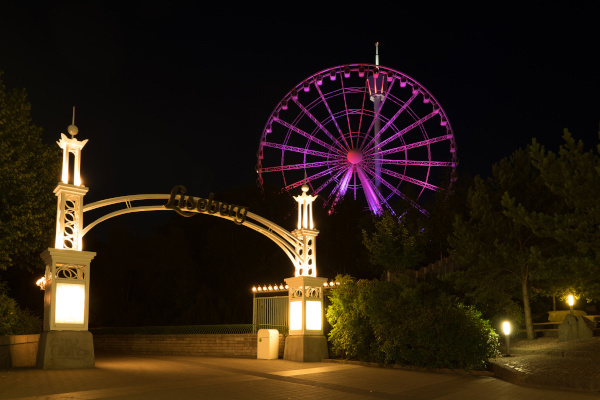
500 255
29 171
392 246
572 176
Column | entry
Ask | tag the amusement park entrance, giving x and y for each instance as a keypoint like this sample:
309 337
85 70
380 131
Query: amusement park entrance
324 137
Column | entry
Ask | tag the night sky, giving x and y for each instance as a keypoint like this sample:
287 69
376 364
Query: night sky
177 93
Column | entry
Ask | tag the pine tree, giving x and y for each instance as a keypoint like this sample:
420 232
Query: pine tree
573 176
501 257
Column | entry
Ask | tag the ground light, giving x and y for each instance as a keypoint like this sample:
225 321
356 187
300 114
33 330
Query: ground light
506 330
571 301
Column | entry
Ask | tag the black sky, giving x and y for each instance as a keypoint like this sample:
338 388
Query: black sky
177 93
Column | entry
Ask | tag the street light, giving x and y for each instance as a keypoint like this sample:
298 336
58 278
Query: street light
506 330
571 301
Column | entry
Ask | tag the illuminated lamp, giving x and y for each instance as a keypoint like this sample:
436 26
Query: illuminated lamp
361 71
506 329
306 341
571 302
66 296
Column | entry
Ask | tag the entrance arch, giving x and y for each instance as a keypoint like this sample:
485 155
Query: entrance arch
66 280
188 206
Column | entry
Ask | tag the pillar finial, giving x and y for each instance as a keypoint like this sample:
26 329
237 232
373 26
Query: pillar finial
72 129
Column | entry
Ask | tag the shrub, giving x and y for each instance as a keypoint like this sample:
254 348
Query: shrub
13 319
388 322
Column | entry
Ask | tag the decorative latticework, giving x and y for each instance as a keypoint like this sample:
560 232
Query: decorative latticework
306 234
70 192
314 292
70 271
71 222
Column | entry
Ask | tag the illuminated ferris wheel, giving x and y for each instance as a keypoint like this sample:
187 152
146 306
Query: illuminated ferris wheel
359 130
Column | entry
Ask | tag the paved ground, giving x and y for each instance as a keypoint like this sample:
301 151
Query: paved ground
190 377
546 362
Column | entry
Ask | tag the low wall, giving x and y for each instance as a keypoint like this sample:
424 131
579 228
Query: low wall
215 345
18 351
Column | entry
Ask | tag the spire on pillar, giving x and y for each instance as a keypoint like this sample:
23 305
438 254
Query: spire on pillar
70 192
306 261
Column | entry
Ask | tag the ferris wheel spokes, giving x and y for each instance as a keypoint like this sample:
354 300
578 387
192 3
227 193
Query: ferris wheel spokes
412 146
324 101
419 163
311 178
301 150
405 178
339 191
370 190
319 124
382 150
328 181
309 136
405 130
397 192
280 168
390 121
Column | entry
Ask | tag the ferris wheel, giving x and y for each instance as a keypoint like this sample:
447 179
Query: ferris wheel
359 130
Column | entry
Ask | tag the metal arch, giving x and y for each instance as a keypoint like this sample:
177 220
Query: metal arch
280 236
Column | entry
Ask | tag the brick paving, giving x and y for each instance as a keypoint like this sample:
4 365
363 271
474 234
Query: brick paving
119 377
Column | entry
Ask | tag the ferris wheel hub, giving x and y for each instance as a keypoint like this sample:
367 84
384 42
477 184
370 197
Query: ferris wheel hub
355 156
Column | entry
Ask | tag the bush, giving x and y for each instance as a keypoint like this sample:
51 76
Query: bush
13 319
387 322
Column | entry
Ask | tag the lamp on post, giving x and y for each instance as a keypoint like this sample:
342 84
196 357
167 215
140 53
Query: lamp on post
571 301
305 341
506 330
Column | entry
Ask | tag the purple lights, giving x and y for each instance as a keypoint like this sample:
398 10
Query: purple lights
375 134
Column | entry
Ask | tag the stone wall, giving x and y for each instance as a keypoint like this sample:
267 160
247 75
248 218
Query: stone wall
18 351
215 345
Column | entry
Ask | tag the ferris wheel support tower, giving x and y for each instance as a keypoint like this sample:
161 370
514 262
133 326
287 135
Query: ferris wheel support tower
377 88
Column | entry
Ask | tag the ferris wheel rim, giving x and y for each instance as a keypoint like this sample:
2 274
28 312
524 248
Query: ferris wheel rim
336 150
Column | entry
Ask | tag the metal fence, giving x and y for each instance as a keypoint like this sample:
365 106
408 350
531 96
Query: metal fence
270 313
267 313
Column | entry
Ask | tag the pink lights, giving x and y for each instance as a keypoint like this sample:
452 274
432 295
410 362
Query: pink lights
325 133
355 156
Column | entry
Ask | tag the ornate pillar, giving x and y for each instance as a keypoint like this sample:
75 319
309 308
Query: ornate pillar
66 341
305 341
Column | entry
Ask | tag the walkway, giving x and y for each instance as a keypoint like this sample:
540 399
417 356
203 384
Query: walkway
546 362
191 377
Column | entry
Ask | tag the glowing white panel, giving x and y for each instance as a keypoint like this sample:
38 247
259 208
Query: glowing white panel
70 303
313 315
295 315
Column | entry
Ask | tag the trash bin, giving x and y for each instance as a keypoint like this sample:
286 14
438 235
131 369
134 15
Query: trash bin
267 347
